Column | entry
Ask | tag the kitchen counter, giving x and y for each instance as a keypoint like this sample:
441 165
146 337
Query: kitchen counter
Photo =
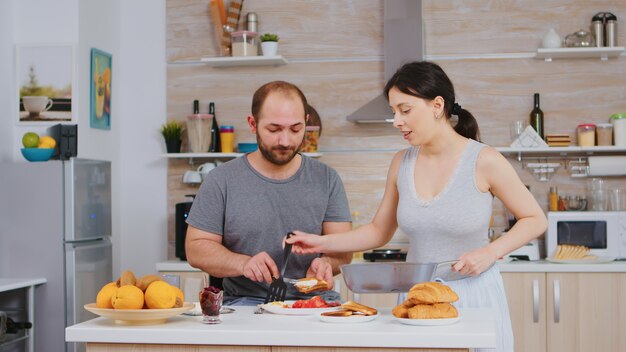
514 266
244 328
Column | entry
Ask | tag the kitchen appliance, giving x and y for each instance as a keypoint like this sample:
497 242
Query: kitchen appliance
604 232
396 255
529 251
55 222
182 211
67 141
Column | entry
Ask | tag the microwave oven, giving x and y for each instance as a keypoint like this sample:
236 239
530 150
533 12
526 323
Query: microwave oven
604 232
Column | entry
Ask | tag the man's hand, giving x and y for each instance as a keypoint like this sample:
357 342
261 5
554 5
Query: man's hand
260 268
322 269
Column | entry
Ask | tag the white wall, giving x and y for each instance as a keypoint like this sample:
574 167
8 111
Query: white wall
133 31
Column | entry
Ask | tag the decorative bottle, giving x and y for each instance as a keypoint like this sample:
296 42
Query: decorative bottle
536 117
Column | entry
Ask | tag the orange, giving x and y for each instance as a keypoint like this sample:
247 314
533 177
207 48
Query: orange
160 295
180 297
103 299
127 297
47 142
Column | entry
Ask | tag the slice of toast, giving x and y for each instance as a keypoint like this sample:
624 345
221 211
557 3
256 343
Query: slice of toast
311 284
359 308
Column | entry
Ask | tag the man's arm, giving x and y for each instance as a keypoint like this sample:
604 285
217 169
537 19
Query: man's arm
205 251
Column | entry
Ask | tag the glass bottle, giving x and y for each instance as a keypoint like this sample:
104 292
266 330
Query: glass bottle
554 199
536 117
215 146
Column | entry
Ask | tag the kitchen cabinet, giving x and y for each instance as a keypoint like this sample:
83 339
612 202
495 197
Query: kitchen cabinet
559 311
17 299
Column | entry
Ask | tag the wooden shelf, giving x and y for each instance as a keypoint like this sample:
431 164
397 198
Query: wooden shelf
219 155
231 61
604 53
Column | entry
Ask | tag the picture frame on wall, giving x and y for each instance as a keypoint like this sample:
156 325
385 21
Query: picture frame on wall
100 90
46 77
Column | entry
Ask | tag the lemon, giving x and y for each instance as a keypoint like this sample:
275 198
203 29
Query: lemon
180 297
127 297
47 142
30 140
160 295
103 300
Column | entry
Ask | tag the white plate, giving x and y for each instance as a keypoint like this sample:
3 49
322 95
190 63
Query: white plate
428 322
295 311
138 316
351 319
600 260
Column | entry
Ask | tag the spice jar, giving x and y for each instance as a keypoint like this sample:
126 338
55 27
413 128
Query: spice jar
604 134
586 134
619 129
227 138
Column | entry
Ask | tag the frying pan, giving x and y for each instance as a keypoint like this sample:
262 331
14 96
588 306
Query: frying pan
395 277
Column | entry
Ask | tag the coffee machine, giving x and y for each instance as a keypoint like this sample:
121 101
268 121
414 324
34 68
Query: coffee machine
182 211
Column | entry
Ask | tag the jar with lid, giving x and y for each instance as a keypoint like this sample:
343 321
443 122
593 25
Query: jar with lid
619 129
586 134
244 43
227 138
604 134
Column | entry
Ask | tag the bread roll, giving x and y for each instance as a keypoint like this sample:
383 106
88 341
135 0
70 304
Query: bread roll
433 311
431 292
400 311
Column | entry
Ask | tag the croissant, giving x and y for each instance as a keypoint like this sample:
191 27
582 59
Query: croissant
431 292
433 311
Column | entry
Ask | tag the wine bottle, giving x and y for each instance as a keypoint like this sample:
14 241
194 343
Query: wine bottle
536 117
215 146
14 327
196 107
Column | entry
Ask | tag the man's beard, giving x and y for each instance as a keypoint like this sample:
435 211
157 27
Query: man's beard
277 159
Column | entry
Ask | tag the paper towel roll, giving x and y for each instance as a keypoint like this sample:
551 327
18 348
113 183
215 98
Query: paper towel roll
607 165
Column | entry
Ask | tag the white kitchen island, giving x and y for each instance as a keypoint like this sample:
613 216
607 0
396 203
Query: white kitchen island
245 331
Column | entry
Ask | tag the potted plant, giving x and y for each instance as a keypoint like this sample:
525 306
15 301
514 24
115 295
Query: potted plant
269 44
172 132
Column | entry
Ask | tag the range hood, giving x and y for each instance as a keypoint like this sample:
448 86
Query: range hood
403 42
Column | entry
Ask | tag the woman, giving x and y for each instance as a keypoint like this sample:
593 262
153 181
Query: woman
440 192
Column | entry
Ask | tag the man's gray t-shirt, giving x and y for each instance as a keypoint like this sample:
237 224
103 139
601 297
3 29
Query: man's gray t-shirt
254 213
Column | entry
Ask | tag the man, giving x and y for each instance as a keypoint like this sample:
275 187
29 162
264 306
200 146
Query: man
246 207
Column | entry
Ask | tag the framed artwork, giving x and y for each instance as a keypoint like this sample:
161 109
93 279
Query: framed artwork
46 75
100 83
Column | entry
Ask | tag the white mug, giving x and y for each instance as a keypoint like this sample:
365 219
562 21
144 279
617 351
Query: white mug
205 168
36 104
192 176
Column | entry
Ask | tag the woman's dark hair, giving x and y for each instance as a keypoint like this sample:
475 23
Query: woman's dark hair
426 80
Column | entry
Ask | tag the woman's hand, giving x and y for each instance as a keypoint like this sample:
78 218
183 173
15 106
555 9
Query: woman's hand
475 262
322 269
306 243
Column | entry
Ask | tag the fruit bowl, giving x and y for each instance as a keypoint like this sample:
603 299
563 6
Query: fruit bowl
37 154
138 316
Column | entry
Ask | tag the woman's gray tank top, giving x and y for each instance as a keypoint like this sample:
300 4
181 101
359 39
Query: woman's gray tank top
455 221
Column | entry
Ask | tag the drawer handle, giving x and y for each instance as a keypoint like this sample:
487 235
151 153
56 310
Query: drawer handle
557 301
536 301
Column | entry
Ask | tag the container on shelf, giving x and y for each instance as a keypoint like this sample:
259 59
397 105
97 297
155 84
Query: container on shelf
244 43
227 138
199 132
586 134
311 137
619 129
604 134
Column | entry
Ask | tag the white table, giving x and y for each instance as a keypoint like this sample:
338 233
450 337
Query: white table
243 330
10 284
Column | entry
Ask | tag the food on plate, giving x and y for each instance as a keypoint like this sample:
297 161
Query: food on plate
103 299
160 295
428 300
211 299
148 292
338 313
315 302
359 308
146 280
127 297
432 311
311 284
431 292
570 251
127 278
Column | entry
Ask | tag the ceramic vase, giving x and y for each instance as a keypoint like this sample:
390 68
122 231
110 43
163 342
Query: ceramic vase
551 40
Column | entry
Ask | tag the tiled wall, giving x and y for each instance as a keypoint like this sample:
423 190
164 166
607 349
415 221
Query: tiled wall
335 53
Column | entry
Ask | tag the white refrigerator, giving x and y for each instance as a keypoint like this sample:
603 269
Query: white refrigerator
55 222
